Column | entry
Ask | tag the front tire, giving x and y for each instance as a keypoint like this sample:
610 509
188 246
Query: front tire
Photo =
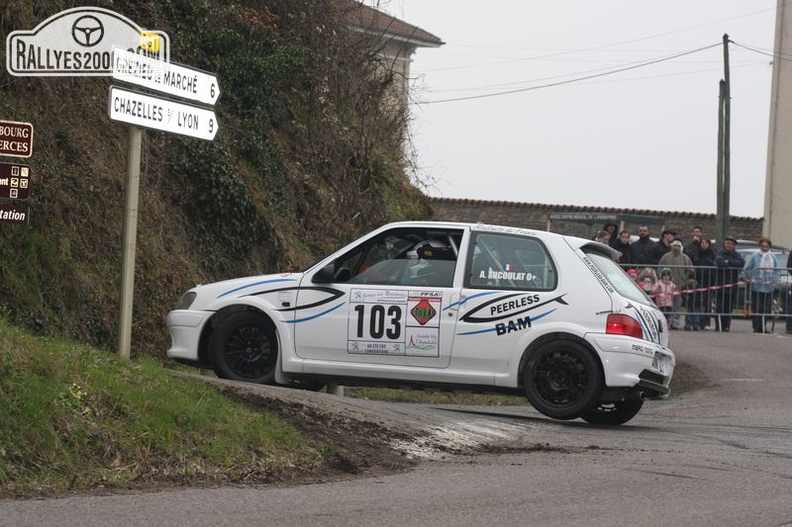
245 348
562 379
616 413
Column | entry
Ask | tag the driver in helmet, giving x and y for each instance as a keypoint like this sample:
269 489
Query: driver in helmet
420 266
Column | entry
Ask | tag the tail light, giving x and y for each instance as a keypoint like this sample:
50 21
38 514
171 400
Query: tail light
618 324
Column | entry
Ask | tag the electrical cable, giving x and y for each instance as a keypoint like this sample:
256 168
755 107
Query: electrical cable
578 79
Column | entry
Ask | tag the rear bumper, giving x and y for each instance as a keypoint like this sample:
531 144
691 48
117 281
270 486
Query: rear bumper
633 363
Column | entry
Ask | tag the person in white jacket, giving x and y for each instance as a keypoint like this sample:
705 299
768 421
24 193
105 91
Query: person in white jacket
761 273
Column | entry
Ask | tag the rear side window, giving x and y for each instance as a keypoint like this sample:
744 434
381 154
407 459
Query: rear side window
621 281
502 261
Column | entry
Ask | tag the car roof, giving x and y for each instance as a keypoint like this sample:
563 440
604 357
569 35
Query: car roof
574 241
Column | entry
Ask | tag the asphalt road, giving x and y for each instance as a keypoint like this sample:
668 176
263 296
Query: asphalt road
719 456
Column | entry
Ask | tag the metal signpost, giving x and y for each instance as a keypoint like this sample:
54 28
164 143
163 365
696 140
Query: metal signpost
143 110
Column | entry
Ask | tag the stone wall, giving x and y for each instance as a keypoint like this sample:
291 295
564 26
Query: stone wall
586 221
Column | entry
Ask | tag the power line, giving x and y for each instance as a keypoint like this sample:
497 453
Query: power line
779 55
577 79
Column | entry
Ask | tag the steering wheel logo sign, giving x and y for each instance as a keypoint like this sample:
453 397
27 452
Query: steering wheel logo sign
87 31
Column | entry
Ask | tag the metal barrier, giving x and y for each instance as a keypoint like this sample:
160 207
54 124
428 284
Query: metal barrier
713 295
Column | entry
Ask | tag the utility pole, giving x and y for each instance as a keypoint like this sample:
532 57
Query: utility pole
719 232
724 149
726 138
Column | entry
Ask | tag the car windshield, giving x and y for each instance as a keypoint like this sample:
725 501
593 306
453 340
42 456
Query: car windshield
620 280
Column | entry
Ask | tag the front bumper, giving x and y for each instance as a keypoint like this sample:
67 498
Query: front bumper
185 328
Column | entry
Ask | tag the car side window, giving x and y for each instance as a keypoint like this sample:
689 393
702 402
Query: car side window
511 262
412 257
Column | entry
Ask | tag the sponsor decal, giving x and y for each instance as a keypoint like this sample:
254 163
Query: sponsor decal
512 325
422 342
649 324
504 328
598 274
508 306
393 322
646 350
423 312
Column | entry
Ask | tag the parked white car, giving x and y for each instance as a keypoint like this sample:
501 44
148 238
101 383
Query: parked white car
443 305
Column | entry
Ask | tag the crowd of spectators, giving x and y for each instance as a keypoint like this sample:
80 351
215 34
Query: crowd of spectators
706 280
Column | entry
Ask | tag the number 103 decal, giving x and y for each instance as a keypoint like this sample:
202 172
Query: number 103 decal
383 322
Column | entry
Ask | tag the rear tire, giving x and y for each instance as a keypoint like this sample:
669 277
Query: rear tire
616 413
562 379
245 348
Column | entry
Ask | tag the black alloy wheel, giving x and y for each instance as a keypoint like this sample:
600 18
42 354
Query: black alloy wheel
245 348
562 379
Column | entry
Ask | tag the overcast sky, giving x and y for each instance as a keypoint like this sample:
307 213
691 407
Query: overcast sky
645 138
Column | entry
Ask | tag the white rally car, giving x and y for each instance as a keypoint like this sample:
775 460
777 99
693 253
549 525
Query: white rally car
443 305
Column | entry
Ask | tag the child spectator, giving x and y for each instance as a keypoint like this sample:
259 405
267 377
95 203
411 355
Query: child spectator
694 302
664 294
647 280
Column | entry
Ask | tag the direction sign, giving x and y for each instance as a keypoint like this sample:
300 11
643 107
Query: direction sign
166 77
14 181
16 139
14 213
147 111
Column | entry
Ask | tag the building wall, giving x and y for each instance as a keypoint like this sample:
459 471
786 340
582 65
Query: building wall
537 216
778 184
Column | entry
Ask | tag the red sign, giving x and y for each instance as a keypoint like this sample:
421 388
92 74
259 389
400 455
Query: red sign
16 139
13 213
14 181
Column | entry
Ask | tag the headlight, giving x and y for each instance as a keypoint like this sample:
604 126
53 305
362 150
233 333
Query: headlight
186 300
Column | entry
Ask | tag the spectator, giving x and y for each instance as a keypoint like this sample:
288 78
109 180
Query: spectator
679 263
641 245
603 237
761 273
622 244
647 280
664 294
696 234
704 260
789 298
693 299
660 247
729 263
613 230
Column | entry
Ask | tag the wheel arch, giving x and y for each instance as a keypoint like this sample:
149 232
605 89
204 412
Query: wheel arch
220 316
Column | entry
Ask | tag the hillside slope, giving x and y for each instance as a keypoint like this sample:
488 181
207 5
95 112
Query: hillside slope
307 158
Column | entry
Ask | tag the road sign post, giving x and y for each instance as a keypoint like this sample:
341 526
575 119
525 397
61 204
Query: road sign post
143 110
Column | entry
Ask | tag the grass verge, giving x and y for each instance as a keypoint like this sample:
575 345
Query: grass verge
76 418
